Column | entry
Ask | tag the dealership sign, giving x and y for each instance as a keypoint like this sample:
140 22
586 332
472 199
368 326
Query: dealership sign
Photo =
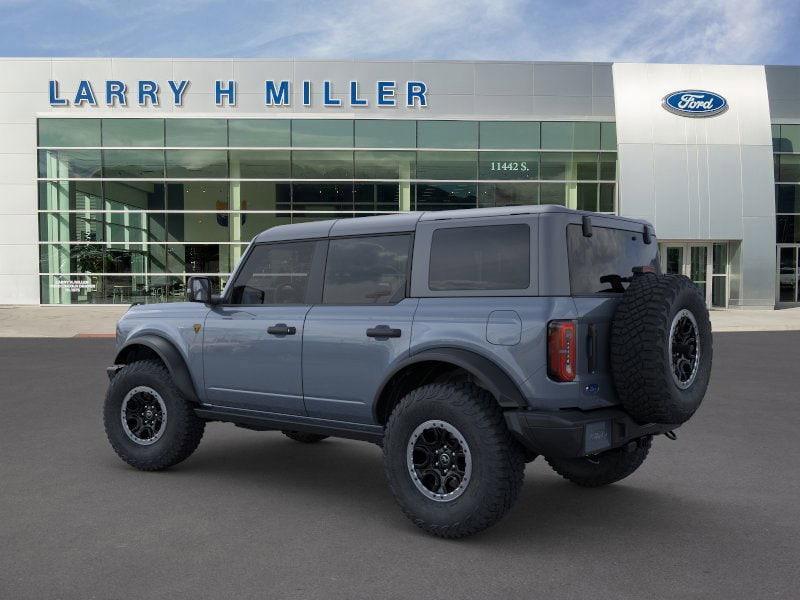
695 103
275 93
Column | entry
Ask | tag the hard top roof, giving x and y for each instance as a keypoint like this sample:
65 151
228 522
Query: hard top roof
405 222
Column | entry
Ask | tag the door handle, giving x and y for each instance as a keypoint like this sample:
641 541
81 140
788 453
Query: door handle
281 329
383 331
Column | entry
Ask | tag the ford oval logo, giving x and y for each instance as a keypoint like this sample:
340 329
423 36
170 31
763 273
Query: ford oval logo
695 103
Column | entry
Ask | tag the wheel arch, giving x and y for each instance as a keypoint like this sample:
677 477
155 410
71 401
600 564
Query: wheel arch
155 346
430 364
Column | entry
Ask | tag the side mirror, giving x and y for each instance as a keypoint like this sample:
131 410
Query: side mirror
198 289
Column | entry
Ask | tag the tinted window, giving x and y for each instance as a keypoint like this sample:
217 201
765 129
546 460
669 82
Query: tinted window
494 257
366 270
274 274
609 252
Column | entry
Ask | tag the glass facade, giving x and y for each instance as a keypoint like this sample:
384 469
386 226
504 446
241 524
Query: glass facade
128 208
786 148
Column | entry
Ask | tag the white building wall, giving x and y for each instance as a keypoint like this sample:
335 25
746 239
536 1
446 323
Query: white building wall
701 178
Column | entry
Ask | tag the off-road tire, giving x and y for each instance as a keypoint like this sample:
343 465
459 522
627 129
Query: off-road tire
498 465
301 436
641 363
605 468
183 430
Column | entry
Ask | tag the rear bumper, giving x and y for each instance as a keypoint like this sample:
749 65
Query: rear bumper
574 433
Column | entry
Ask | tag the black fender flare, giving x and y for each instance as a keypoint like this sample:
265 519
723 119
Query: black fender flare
170 356
492 377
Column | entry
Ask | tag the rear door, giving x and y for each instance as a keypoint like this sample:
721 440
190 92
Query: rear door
252 345
361 327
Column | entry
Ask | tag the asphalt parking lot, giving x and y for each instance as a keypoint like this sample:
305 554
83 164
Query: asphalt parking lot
714 515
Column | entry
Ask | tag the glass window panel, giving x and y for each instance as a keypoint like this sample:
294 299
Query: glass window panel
261 195
508 194
322 133
608 136
556 165
260 164
70 195
322 164
77 227
587 196
447 134
381 197
490 257
91 289
790 138
789 170
446 196
65 133
776 138
385 164
63 164
133 132
607 252
509 134
264 133
587 136
787 198
509 165
254 223
553 193
607 203
134 227
557 135
131 257
586 166
383 133
447 165
197 163
366 270
720 259
608 166
201 227
330 197
788 229
134 195
275 274
148 164
199 258
198 195
197 133
787 263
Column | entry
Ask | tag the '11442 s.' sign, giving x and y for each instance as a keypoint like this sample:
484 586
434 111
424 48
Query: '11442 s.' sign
695 103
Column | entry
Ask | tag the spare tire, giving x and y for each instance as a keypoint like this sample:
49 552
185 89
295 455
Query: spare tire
661 348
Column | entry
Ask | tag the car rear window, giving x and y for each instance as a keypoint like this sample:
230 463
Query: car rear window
490 257
610 255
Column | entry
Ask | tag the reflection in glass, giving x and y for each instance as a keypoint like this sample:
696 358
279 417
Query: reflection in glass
133 132
446 196
197 164
447 134
447 165
64 164
322 133
587 196
509 165
322 164
381 197
65 133
508 194
556 165
259 133
70 195
384 133
323 196
134 195
553 193
509 134
260 164
197 133
132 164
198 195
385 164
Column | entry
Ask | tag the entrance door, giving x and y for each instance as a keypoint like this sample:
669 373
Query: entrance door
787 275
691 260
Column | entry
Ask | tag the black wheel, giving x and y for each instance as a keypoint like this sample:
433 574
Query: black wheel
661 349
451 463
602 469
306 438
150 425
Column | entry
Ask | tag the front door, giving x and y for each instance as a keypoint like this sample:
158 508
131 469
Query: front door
692 260
252 346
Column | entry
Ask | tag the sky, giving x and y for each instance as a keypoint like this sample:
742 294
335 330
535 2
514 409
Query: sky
680 31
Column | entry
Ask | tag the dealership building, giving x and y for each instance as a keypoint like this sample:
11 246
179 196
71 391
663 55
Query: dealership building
120 178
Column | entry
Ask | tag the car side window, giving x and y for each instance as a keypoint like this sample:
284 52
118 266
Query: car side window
485 257
366 270
274 274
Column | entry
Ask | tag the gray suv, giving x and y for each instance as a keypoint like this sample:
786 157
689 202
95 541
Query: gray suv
465 343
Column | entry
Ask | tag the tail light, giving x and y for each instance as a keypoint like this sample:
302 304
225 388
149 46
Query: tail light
561 350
